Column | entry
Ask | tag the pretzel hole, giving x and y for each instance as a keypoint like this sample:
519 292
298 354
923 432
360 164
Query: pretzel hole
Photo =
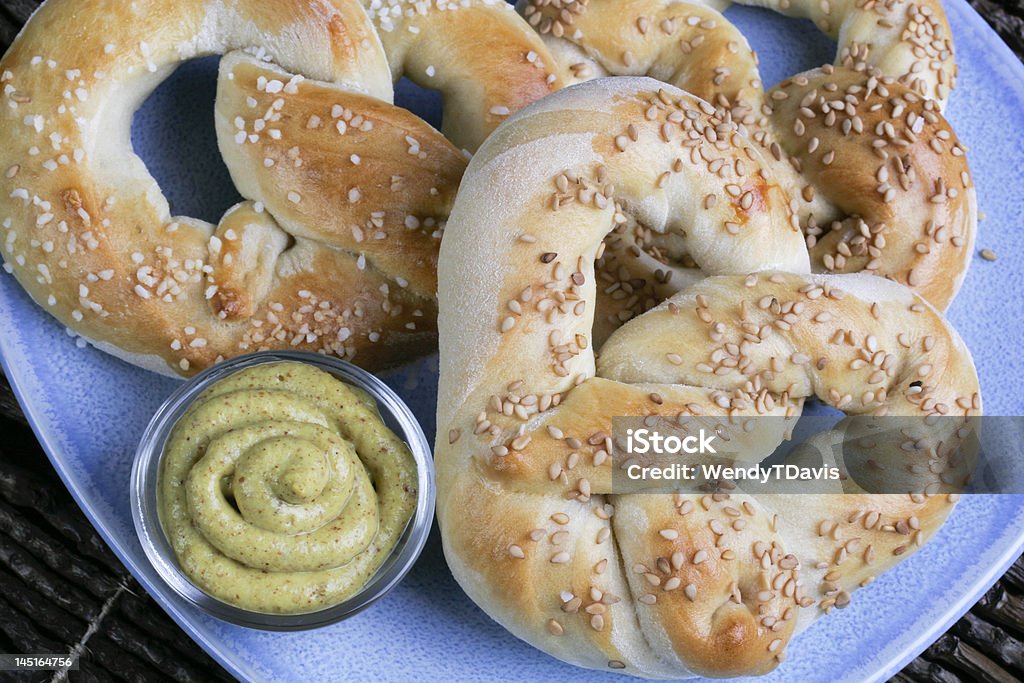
423 102
173 133
786 46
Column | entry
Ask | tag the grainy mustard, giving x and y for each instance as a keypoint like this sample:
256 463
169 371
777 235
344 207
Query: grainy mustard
281 489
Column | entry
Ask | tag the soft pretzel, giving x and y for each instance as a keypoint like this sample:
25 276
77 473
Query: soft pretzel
689 45
890 183
910 211
335 247
906 215
656 585
479 53
908 40
649 158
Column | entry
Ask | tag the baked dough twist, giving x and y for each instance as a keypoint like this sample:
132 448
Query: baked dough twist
908 40
335 247
651 159
658 585
882 182
885 184
479 53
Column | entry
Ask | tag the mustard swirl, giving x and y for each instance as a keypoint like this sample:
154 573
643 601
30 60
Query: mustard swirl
282 490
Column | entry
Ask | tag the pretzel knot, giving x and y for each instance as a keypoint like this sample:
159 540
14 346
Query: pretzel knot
657 161
663 585
880 181
335 247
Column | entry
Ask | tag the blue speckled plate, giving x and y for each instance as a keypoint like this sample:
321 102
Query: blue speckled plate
89 410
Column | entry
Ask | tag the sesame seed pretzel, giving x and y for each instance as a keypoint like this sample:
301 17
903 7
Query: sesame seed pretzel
334 249
881 181
908 40
885 182
656 160
657 585
479 53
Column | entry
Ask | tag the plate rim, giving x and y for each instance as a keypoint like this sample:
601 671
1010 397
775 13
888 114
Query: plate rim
972 20
926 638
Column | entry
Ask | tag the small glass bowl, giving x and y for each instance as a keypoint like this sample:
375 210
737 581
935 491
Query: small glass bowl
146 469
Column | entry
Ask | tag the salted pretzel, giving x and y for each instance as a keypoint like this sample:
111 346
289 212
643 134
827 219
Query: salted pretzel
881 181
655 585
334 249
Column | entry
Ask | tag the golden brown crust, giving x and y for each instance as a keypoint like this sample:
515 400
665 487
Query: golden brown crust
691 46
655 584
701 579
335 248
907 40
921 235
346 169
479 54
897 191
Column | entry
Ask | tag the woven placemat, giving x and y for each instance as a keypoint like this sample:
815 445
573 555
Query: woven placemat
62 590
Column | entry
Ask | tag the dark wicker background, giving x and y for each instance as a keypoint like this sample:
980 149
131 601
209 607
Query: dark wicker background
62 590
